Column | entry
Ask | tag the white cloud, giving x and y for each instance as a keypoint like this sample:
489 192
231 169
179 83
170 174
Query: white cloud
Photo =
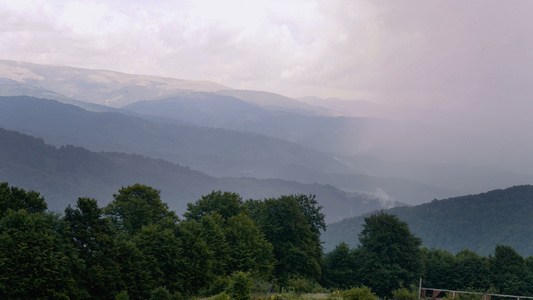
379 50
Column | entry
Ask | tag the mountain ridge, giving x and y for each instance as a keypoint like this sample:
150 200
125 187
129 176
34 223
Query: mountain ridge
65 173
476 222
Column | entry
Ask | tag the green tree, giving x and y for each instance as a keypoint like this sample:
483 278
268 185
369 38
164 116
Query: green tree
439 268
136 278
292 225
509 271
16 198
225 204
94 238
198 271
241 286
162 254
36 258
136 206
249 251
470 271
340 267
391 254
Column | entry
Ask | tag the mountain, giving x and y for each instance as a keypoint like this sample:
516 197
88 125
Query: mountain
477 222
354 145
63 174
446 159
103 87
214 151
278 103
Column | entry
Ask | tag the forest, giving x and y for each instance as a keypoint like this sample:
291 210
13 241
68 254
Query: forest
223 246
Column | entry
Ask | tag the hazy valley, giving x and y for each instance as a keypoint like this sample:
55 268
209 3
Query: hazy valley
188 138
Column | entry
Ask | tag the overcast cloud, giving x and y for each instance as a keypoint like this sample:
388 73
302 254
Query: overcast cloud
433 52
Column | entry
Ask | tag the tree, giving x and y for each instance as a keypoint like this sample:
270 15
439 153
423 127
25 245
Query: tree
470 271
36 259
162 254
198 257
136 206
241 286
292 225
225 204
439 268
249 251
391 254
16 198
509 271
340 267
94 238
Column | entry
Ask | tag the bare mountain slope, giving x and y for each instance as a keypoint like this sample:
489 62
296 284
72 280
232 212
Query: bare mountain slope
99 86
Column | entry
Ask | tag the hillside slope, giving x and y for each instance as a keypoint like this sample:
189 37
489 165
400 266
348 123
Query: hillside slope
476 222
63 174
216 152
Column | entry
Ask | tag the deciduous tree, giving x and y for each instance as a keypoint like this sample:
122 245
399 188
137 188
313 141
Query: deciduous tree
391 254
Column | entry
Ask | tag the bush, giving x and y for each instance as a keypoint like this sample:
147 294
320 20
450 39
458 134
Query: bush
403 294
262 287
300 285
221 296
241 286
122 296
360 293
160 293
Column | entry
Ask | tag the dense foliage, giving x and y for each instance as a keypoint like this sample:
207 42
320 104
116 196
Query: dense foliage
389 258
62 174
476 222
136 248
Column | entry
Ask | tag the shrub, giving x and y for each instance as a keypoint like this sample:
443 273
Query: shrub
241 286
360 293
300 285
403 294
262 287
160 293
221 296
122 296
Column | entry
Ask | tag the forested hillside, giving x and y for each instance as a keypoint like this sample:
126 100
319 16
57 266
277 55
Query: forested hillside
63 174
476 222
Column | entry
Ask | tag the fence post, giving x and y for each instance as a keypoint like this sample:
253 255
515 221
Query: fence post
420 288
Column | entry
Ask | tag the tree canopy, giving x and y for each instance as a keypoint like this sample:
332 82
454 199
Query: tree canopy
136 246
391 254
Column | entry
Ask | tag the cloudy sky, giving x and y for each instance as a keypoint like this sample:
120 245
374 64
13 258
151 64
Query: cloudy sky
439 52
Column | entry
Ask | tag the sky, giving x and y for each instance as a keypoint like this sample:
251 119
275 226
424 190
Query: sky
476 53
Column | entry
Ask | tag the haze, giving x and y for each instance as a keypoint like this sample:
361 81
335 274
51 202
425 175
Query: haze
452 67
437 52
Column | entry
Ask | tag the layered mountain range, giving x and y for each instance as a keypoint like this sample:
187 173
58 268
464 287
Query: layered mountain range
247 138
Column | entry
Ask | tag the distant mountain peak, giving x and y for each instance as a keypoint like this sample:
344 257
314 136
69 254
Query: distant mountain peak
105 87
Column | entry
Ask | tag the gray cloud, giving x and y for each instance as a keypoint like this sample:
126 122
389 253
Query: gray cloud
454 52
